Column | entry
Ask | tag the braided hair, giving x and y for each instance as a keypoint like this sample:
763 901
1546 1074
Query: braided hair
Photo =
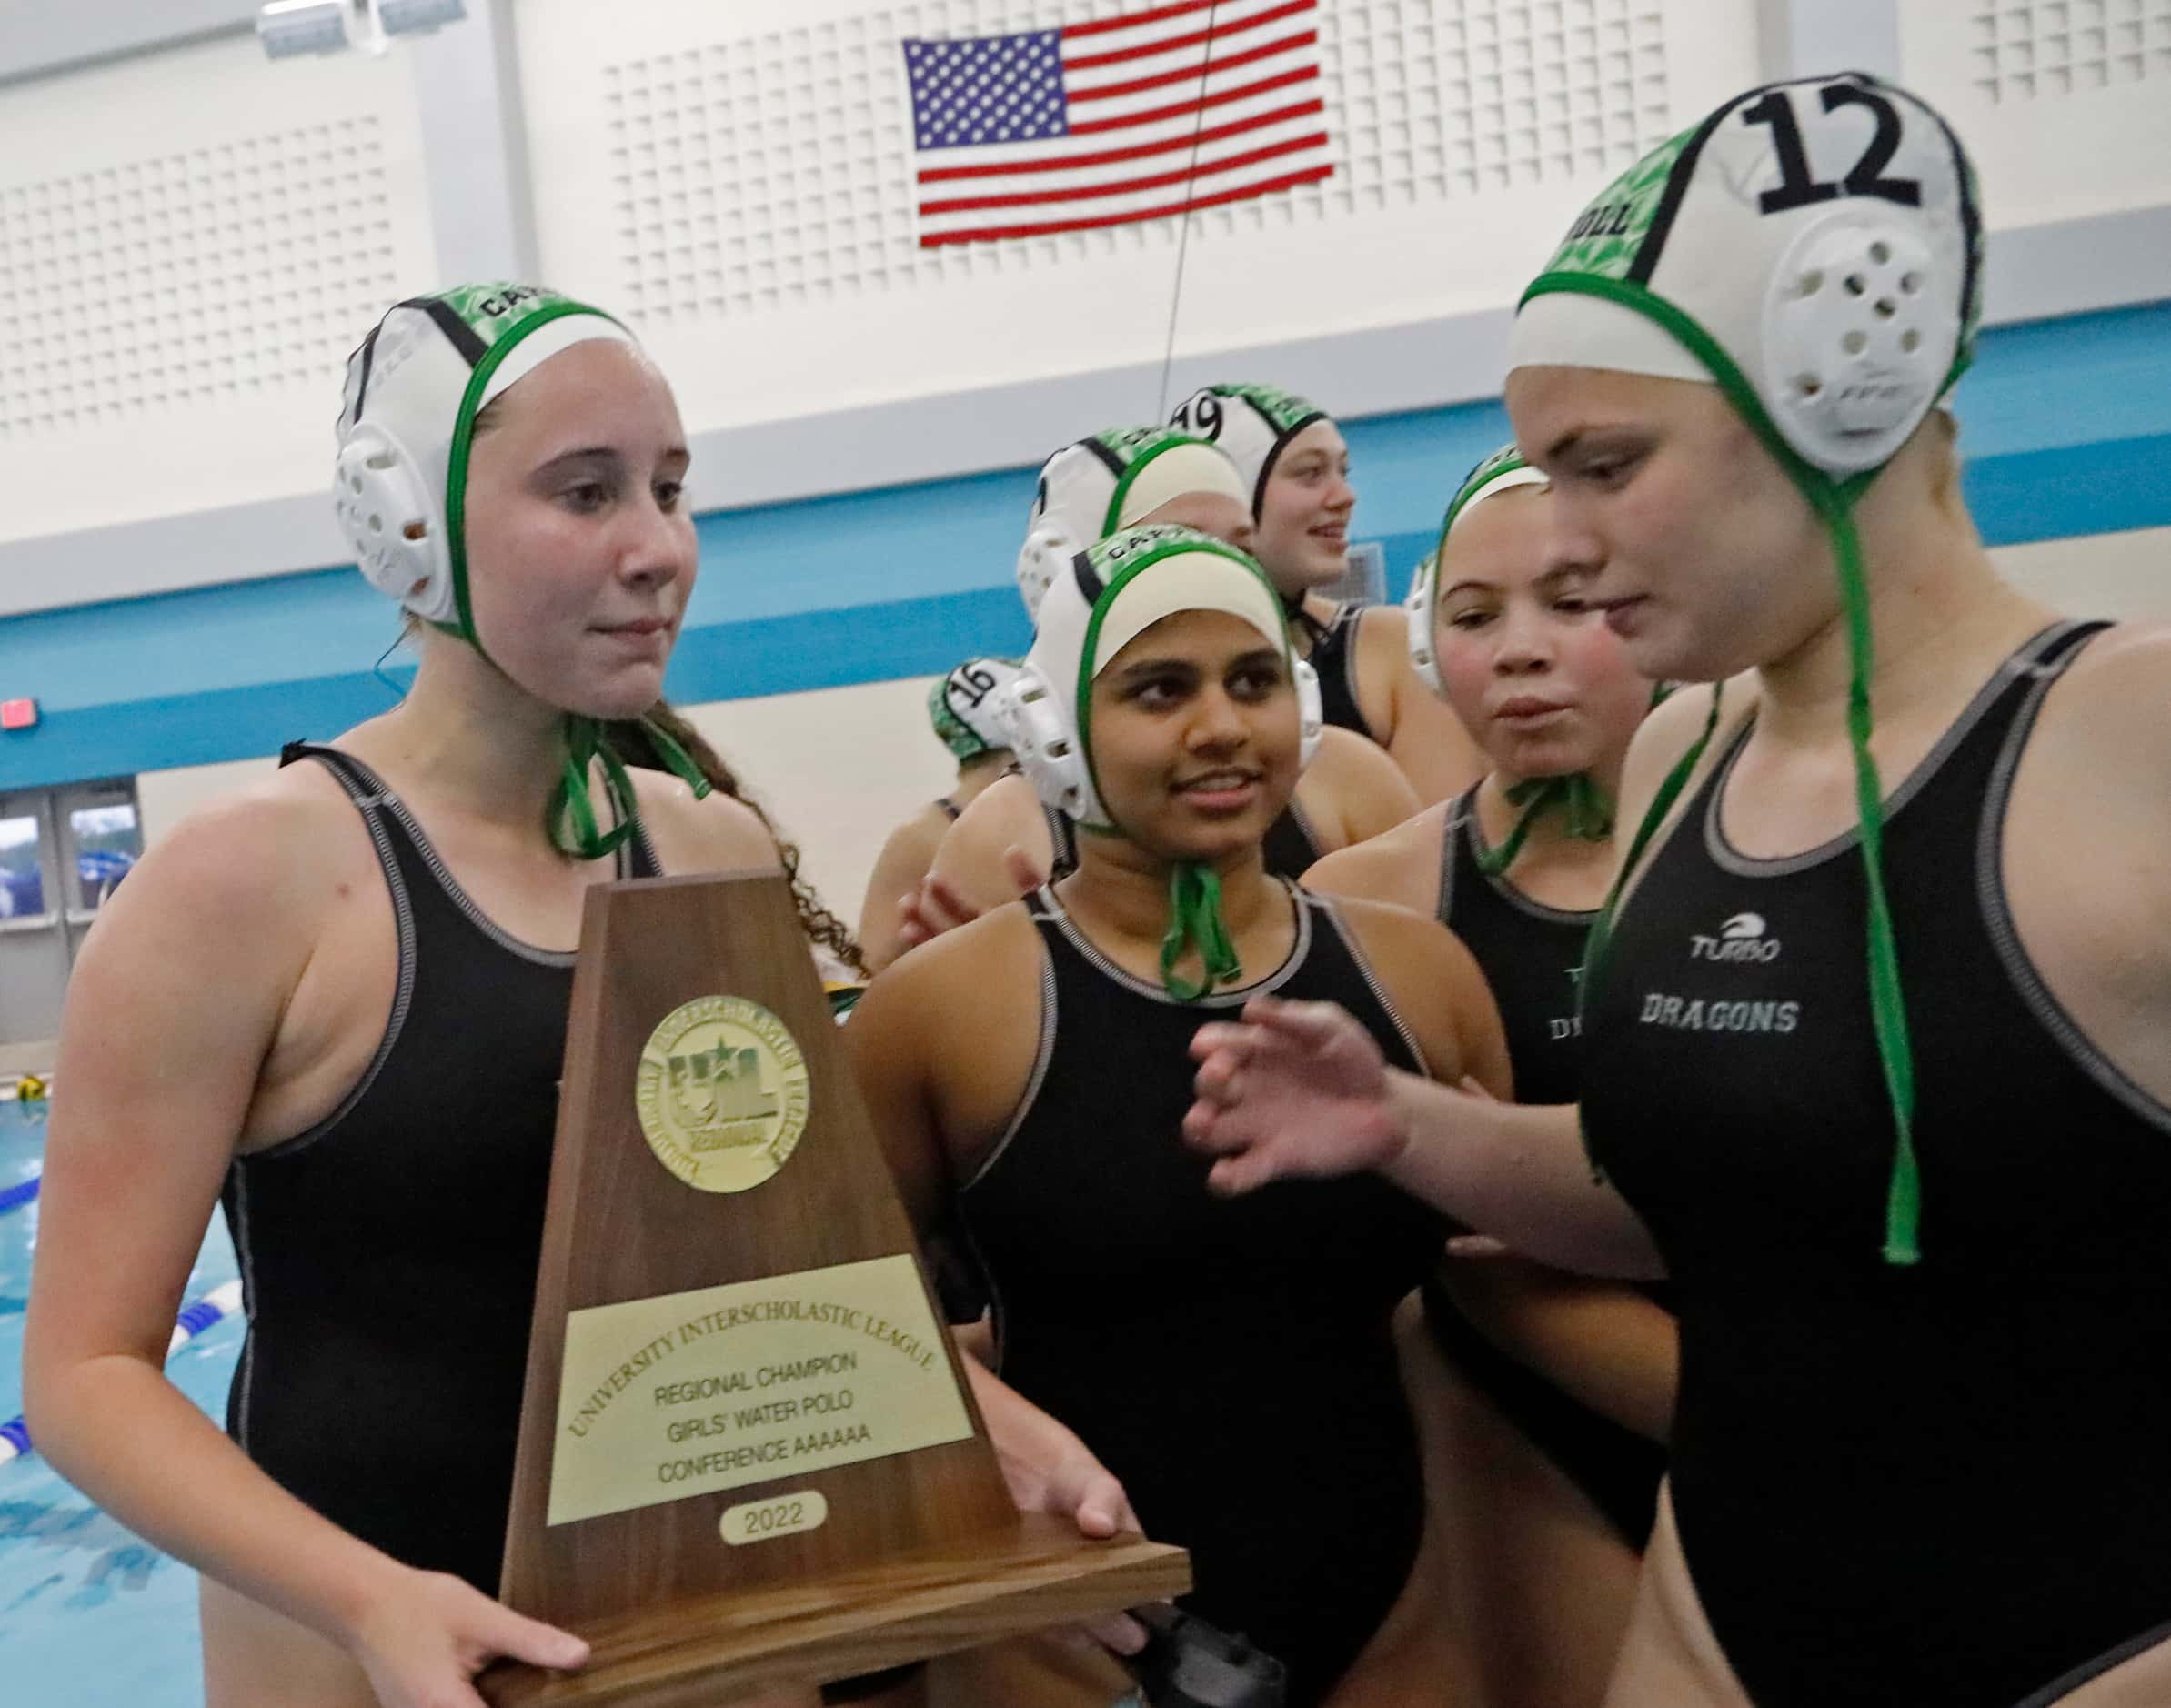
631 743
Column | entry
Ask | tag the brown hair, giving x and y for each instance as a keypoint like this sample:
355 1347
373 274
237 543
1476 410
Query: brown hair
631 743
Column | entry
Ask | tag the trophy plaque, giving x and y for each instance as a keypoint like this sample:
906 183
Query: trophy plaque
748 1455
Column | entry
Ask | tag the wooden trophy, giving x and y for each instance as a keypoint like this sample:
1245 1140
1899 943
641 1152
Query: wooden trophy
748 1453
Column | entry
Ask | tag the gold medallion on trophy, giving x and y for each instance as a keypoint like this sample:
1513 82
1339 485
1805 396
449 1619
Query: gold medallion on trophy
722 1093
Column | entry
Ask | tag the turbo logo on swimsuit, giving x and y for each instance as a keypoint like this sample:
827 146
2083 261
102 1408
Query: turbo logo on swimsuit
1742 937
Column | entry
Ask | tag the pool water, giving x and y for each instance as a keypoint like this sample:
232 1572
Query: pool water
90 1615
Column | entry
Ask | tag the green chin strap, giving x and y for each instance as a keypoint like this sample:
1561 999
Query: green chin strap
570 820
1590 814
1833 501
1196 925
1196 922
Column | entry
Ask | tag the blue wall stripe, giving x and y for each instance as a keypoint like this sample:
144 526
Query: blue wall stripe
2066 429
2104 487
741 660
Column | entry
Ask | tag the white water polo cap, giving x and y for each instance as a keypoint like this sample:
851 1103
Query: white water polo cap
962 707
1813 247
406 422
1253 424
1110 481
1113 592
1504 471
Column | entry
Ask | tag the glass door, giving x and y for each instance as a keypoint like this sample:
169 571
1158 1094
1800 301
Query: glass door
34 945
101 839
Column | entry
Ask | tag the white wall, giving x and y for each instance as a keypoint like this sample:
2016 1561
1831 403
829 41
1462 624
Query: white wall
2124 575
163 799
2065 107
191 242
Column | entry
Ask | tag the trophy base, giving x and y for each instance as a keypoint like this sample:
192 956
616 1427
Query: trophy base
710 1649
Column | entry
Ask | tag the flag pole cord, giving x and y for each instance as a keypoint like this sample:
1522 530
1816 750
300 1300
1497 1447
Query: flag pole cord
1184 239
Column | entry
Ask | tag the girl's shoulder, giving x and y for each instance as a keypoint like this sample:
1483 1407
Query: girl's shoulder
1434 985
1400 866
716 833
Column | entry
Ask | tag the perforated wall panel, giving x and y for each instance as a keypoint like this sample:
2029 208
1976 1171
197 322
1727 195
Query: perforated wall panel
2044 49
212 272
742 182
2064 104
177 294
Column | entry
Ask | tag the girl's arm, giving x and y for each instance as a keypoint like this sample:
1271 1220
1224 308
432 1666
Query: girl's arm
1301 1089
172 1010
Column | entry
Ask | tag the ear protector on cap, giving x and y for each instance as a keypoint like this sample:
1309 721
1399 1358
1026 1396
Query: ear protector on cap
1417 610
394 522
1068 514
1047 549
1856 356
1311 710
1502 471
1046 749
960 707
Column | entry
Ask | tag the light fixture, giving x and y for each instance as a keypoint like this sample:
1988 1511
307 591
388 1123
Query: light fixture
291 27
416 17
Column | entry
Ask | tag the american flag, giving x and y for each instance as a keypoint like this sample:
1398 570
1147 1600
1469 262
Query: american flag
1096 124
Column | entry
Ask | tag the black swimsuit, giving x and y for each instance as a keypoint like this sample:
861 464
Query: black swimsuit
1334 657
1946 1483
388 1254
1531 955
1230 1359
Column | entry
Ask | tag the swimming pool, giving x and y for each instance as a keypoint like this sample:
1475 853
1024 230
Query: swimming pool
90 1615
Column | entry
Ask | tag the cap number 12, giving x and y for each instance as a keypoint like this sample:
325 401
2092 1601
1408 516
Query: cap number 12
1797 187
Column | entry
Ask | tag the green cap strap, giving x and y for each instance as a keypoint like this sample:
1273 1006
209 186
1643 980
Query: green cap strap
676 759
1601 929
463 441
1196 924
1590 814
571 818
1888 1008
